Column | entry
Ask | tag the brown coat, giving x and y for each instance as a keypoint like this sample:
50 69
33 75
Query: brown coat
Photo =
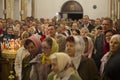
88 70
39 71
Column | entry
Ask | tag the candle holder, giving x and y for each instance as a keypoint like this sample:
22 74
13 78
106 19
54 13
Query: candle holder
11 76
9 50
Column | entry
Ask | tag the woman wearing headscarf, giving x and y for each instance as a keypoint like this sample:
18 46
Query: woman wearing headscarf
88 46
61 40
21 53
86 67
62 68
41 64
112 65
33 46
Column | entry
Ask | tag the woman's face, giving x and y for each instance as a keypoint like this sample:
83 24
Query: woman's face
16 32
54 65
74 33
108 36
84 32
46 48
31 48
9 31
114 45
70 49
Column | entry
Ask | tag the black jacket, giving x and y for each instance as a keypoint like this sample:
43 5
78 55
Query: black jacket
112 67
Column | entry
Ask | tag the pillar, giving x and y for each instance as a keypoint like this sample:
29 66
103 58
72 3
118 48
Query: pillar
10 9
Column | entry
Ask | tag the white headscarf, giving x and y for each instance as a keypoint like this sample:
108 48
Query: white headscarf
64 62
79 46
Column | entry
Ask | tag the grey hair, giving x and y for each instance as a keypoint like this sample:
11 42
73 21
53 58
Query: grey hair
116 36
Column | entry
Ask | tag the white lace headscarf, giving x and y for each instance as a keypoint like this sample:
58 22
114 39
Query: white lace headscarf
79 50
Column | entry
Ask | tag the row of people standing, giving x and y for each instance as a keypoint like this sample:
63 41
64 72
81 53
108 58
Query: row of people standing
37 66
51 32
85 67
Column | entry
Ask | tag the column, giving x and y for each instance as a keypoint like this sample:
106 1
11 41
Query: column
33 8
118 9
111 8
23 9
10 9
114 9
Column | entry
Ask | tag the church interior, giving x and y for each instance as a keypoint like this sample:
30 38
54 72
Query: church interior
28 15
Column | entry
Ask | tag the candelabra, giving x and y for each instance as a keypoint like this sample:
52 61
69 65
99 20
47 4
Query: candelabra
9 49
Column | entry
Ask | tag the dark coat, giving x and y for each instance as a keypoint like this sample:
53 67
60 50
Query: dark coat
26 68
112 68
98 53
90 27
87 69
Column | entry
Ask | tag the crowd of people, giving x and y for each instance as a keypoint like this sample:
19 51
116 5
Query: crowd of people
64 49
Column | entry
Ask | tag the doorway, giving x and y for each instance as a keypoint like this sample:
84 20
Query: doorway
71 10
74 16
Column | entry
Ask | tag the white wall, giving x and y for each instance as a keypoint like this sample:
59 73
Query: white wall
49 8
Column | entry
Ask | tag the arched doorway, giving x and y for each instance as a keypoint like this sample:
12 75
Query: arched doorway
71 10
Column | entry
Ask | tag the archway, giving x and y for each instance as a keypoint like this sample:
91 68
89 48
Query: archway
71 10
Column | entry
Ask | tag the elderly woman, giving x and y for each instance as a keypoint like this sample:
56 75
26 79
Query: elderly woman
112 67
86 67
62 68
41 64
